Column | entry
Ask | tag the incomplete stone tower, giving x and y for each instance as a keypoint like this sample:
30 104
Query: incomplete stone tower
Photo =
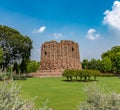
58 56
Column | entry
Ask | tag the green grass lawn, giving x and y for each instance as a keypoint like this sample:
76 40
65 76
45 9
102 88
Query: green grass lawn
63 95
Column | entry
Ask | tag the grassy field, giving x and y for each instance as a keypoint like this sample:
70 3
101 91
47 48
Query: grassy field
63 95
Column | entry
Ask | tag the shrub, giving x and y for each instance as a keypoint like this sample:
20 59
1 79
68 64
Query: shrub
94 73
8 76
68 73
5 76
98 100
10 98
86 74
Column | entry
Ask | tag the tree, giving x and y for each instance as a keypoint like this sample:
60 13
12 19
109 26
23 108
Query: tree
15 67
85 64
1 56
23 66
116 63
114 56
33 66
94 64
106 65
16 47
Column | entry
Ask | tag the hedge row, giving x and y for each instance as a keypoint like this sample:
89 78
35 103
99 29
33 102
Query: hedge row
82 74
8 76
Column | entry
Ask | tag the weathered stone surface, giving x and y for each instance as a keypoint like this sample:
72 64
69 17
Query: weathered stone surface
60 56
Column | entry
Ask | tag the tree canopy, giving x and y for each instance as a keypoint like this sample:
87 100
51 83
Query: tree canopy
15 46
114 56
110 61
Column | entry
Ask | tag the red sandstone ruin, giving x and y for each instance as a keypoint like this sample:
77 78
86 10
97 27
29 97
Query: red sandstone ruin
57 56
61 55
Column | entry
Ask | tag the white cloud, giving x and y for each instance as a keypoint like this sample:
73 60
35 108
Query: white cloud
112 18
58 35
40 30
92 35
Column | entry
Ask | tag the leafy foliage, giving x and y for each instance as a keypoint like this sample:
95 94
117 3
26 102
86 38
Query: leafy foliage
85 64
33 66
5 76
93 64
15 67
82 74
68 74
9 76
114 56
1 56
110 62
15 46
106 65
23 66
98 100
10 98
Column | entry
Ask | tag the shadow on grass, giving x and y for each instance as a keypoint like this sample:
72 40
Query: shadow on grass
22 77
29 76
80 80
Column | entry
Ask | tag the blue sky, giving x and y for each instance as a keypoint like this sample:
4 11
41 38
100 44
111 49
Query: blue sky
93 24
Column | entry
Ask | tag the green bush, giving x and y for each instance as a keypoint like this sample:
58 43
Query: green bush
94 73
8 76
10 98
86 74
5 76
98 100
77 73
82 74
68 73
